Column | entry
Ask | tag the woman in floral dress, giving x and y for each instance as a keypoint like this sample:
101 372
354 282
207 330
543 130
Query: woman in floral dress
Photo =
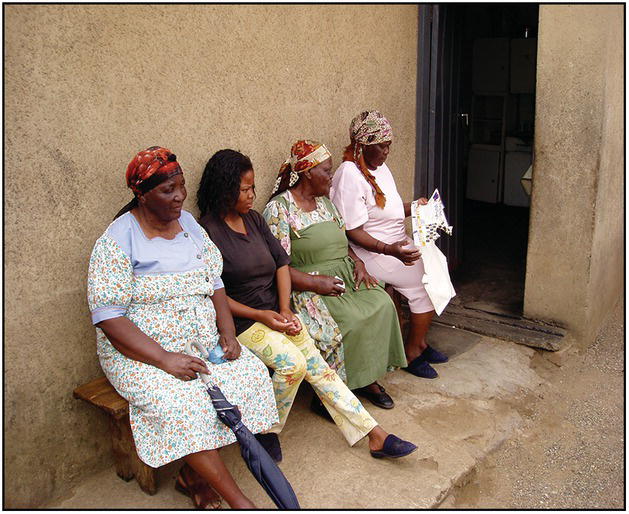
153 284
257 282
349 315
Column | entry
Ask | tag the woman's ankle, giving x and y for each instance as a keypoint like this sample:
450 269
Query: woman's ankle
376 438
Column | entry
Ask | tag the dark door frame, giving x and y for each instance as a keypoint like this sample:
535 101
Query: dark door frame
440 141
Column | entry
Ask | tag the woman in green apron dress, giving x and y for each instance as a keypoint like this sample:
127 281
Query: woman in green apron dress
348 314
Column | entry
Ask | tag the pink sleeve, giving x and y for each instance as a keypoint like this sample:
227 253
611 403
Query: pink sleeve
349 195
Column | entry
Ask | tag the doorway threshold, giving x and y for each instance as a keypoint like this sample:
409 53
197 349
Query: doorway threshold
505 326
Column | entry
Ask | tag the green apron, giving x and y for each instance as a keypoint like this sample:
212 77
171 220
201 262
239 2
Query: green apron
367 319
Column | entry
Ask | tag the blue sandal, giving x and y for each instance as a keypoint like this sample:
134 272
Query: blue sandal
394 448
420 368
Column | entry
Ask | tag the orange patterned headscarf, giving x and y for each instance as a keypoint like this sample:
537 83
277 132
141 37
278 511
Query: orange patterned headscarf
304 155
368 128
151 167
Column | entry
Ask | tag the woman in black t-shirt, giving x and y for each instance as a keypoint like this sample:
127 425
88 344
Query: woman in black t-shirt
258 286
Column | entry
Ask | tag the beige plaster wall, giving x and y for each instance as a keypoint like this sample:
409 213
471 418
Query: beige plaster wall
574 263
607 262
88 86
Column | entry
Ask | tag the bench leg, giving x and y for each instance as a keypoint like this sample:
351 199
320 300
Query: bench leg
120 447
128 464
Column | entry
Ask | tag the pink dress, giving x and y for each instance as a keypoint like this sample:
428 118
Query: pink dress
355 200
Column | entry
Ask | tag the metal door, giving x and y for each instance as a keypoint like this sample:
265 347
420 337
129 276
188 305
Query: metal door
442 118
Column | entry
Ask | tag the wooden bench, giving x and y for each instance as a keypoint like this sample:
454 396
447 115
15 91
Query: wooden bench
102 394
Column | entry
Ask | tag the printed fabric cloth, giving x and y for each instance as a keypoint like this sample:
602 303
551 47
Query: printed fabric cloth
357 332
164 287
370 128
295 358
304 155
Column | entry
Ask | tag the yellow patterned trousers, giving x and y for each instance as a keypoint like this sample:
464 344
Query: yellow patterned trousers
295 358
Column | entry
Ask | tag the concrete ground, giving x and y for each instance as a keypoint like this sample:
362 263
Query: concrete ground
487 394
569 454
455 420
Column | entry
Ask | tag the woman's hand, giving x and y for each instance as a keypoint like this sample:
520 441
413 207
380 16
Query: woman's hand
422 201
230 347
407 255
274 320
182 366
328 286
295 324
361 275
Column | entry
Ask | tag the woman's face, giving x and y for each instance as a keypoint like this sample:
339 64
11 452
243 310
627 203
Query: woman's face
321 177
166 199
247 193
375 155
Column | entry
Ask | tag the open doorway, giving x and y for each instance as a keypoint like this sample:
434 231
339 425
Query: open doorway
476 112
499 46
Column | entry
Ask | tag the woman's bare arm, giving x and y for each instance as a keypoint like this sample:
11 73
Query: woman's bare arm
129 340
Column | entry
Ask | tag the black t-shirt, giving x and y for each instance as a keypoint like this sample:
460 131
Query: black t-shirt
249 262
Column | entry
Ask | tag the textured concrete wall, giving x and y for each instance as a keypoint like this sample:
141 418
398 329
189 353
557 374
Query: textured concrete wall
607 262
574 264
88 86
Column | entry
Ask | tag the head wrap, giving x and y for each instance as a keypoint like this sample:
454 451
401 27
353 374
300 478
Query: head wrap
368 128
148 169
304 155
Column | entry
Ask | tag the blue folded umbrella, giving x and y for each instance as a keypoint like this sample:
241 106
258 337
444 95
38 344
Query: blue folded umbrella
259 462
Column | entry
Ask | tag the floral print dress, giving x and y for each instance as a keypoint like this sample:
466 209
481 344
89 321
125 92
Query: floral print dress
164 287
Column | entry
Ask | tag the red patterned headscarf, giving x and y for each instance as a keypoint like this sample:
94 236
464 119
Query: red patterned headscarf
304 155
150 168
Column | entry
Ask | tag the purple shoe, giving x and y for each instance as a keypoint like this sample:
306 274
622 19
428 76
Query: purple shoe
420 368
394 448
271 443
433 356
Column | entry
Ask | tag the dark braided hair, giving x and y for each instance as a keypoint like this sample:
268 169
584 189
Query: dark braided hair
220 184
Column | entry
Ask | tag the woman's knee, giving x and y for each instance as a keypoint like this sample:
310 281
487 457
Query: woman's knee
289 361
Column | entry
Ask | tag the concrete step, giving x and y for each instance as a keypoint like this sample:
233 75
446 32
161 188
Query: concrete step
456 420
484 319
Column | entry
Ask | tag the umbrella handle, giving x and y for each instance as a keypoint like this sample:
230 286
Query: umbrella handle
205 378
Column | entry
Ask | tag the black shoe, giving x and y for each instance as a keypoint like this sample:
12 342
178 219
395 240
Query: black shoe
433 356
380 399
271 443
317 407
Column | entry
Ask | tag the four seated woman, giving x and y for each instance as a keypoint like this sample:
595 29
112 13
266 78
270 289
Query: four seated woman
153 284
258 285
347 313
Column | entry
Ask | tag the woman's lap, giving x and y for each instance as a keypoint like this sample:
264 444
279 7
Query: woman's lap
407 280
171 418
371 334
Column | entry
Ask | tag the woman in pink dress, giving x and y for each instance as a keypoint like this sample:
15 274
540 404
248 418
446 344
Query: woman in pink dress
364 192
